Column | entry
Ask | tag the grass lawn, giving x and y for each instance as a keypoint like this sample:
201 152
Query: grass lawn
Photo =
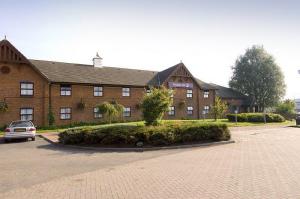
221 121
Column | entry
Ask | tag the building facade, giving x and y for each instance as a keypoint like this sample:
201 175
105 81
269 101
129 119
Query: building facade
32 89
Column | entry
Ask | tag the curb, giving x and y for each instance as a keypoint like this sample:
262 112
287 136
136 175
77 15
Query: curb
138 149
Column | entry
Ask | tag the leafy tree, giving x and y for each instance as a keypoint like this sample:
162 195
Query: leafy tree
110 110
286 109
256 75
219 108
155 104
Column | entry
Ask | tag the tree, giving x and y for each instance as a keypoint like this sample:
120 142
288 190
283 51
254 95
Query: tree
219 108
286 109
256 75
155 104
110 110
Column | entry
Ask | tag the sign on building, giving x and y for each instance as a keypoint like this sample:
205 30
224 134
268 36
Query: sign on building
180 85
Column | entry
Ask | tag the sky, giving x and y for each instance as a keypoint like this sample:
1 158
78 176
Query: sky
208 36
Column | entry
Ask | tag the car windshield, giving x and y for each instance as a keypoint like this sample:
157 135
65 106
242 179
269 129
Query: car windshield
21 124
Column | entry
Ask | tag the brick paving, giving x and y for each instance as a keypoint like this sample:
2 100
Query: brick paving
263 163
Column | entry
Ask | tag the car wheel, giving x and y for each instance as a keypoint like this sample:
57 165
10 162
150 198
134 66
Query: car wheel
6 140
33 138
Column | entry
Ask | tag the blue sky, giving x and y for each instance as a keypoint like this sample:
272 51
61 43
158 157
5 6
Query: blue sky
207 35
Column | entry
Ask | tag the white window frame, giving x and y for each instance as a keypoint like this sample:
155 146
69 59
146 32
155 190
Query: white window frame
127 112
27 88
206 109
98 91
26 114
97 115
171 111
65 90
206 94
190 110
126 92
65 113
189 93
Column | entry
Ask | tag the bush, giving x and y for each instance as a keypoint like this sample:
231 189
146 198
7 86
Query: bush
255 117
152 136
287 109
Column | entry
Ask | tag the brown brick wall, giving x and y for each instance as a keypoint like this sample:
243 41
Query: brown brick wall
86 93
10 92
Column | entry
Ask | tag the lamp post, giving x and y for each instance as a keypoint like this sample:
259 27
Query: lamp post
203 113
235 114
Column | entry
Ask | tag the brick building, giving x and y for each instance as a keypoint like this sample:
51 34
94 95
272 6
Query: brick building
30 88
235 100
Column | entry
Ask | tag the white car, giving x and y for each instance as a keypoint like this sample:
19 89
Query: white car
20 129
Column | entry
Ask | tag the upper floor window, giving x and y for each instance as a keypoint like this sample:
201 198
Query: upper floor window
127 112
171 110
190 110
65 113
97 114
26 89
189 93
125 92
26 114
172 94
65 90
98 91
206 94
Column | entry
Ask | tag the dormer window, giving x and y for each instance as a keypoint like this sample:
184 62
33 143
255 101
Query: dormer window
26 89
65 90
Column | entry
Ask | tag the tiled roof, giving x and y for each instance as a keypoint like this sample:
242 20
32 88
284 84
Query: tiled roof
225 92
61 72
88 74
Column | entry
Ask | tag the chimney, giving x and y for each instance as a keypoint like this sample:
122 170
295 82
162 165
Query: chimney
97 61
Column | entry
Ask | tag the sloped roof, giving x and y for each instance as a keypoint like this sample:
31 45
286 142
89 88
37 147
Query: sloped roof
88 74
225 92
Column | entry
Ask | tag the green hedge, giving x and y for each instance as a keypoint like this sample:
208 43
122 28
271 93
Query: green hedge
149 135
255 117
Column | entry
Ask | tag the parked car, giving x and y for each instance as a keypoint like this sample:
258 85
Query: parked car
20 129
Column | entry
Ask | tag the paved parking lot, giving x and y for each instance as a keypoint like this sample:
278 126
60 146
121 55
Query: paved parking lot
263 163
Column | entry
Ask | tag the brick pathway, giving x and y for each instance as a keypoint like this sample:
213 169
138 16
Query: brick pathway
263 163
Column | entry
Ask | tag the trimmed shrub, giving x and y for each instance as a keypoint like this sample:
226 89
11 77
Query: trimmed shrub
255 117
151 136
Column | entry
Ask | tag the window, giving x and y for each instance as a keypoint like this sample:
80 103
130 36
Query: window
26 114
96 113
189 93
65 113
190 110
148 91
98 91
206 109
65 90
26 89
125 92
171 110
126 112
206 93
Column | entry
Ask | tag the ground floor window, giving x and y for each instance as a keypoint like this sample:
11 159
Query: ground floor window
206 109
96 113
127 112
26 114
171 110
190 110
65 113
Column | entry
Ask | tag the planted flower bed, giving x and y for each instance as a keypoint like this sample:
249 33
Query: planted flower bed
131 136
